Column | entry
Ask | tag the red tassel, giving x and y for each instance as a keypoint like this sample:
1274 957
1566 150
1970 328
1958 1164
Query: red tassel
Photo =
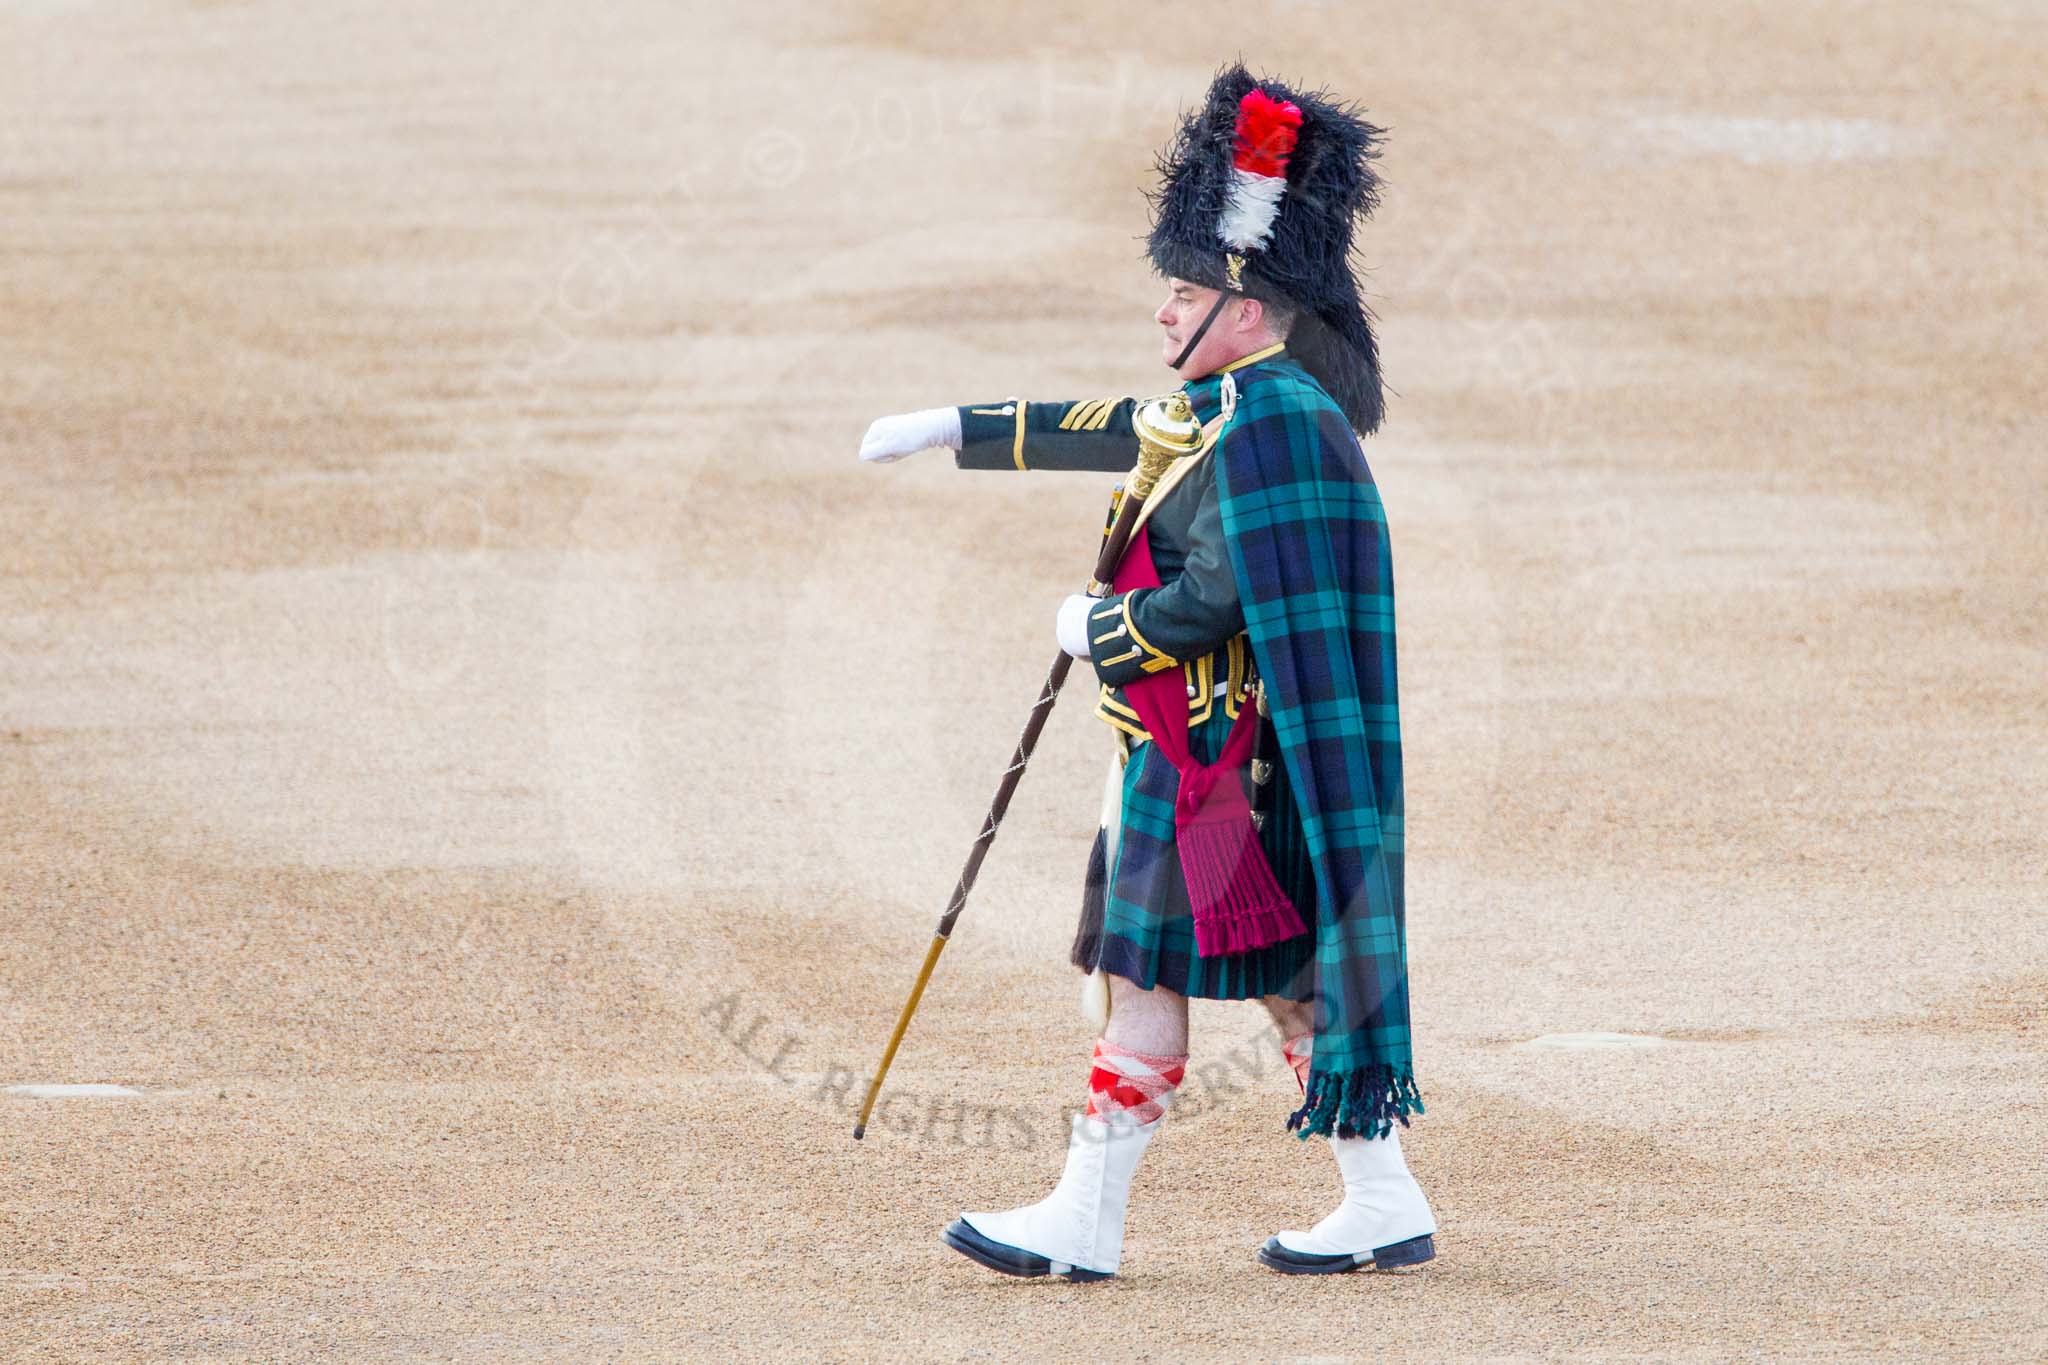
1266 130
1237 903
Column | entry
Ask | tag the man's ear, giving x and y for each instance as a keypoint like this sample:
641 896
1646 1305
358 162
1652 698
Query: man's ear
1251 315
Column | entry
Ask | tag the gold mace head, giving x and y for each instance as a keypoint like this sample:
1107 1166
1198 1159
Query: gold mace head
1167 430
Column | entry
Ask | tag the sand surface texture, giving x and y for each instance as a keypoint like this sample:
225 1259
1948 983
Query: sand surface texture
480 759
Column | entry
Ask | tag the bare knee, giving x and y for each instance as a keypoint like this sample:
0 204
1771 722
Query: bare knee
1291 1017
1151 1021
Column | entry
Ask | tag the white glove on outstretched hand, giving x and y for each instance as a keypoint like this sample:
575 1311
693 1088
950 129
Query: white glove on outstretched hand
891 438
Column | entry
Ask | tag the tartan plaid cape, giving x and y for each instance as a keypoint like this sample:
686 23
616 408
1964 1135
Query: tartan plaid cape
1307 539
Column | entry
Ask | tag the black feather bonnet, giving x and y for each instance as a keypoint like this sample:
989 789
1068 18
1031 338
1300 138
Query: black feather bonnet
1312 154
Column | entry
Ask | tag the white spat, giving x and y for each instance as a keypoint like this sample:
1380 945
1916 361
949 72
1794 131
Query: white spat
71 1092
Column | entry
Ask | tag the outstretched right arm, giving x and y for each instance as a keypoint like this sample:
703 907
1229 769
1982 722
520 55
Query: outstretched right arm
1092 435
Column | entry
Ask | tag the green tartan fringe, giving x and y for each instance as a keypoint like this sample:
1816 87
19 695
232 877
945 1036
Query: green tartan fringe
1363 1102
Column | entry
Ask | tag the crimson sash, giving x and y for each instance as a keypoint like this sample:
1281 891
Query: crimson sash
1238 905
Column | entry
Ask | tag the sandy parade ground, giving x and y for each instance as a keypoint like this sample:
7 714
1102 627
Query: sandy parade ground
480 759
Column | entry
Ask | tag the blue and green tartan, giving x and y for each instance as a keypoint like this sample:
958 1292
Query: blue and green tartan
1148 927
1308 544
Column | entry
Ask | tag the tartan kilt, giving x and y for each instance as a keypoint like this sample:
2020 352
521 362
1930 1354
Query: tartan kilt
1136 921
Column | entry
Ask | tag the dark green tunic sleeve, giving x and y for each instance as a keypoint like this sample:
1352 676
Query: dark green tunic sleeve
1094 435
1195 610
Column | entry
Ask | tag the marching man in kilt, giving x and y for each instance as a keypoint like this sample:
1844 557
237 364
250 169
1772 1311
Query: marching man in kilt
1251 845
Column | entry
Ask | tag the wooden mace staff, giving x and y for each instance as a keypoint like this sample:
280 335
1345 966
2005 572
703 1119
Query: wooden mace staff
1167 430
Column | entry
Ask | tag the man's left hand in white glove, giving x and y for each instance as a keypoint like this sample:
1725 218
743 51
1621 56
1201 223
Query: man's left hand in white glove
891 438
1072 624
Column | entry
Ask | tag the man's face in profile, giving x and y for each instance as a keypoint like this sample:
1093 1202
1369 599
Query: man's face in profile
1181 316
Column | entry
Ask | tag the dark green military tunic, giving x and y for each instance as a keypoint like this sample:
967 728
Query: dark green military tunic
1193 621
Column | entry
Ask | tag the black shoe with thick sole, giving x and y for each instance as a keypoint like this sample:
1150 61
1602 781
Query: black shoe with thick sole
1414 1251
962 1237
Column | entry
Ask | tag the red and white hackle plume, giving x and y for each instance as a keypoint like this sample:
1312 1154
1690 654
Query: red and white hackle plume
1266 130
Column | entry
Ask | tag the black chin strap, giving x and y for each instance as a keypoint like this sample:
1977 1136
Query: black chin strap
1200 332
